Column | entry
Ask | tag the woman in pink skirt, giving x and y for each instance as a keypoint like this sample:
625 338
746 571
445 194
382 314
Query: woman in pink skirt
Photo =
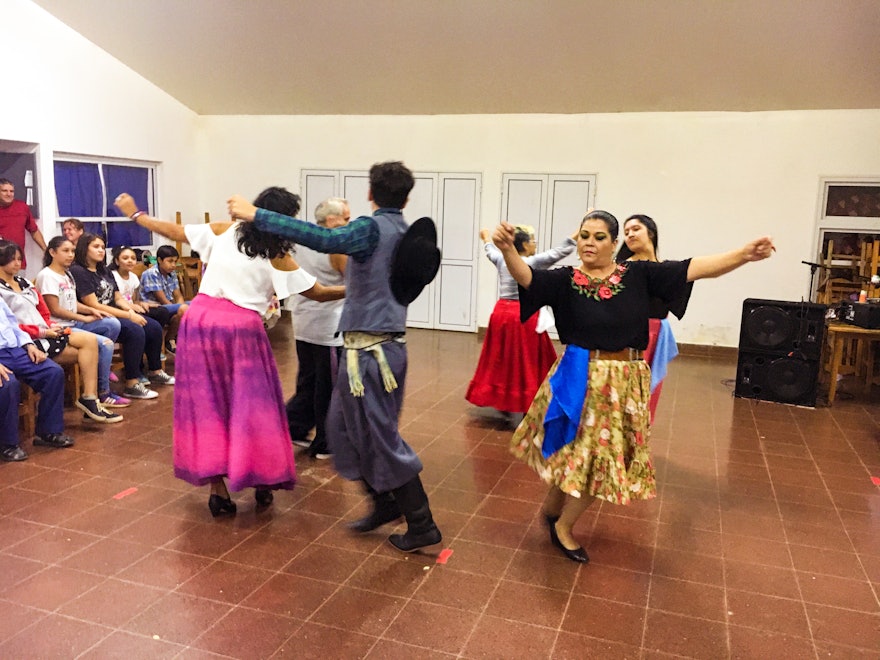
229 420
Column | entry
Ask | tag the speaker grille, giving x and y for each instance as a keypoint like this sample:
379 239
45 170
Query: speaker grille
769 327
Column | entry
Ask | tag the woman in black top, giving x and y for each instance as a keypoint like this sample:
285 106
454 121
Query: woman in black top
587 431
96 287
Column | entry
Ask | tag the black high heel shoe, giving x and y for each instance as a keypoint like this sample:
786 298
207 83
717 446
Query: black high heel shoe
263 496
578 554
221 506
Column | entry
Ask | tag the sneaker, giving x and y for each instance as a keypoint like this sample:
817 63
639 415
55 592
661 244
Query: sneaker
139 391
56 440
13 453
322 455
94 411
114 378
161 378
171 346
110 400
302 443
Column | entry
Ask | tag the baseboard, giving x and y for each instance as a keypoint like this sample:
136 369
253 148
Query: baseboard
690 350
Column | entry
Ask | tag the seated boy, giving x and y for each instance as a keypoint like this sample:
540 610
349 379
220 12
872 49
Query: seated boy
21 360
159 284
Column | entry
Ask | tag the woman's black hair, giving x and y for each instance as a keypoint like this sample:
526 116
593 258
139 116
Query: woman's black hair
53 244
114 255
256 243
609 220
648 223
7 251
82 249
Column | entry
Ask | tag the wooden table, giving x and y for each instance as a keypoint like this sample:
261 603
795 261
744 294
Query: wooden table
838 333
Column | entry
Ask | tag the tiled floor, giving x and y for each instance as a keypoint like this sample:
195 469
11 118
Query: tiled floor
763 543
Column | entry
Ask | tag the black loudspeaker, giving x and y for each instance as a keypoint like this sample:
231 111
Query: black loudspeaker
777 378
780 345
783 328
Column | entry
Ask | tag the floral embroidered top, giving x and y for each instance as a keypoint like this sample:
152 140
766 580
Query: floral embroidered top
610 313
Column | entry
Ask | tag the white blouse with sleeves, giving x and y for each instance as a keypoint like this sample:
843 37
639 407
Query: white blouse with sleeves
232 275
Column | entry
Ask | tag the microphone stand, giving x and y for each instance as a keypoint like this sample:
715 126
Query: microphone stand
813 268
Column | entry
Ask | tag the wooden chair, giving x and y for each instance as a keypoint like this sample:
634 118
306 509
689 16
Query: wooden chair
869 266
847 280
189 276
189 269
27 411
72 378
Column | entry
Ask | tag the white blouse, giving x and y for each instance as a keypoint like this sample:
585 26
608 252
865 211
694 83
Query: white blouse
232 275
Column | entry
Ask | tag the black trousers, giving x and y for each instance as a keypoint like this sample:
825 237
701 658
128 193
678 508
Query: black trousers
307 408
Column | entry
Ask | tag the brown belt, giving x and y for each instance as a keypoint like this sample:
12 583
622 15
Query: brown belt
625 355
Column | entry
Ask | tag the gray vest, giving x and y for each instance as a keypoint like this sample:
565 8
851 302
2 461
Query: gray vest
369 304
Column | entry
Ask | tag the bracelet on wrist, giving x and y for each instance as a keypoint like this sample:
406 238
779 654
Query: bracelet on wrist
137 214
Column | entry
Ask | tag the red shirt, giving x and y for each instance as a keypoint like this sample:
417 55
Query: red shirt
14 220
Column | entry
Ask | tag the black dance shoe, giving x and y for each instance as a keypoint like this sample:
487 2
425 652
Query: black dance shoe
263 496
221 506
578 554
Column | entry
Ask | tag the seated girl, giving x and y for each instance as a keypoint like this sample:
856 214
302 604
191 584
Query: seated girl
58 289
123 261
138 335
54 340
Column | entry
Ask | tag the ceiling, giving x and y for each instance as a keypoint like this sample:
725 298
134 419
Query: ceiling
426 57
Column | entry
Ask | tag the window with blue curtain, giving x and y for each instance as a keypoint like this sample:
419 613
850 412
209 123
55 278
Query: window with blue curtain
86 190
78 190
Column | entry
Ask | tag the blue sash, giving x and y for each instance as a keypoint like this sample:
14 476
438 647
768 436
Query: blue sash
665 351
568 386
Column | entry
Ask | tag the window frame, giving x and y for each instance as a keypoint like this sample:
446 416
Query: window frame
100 161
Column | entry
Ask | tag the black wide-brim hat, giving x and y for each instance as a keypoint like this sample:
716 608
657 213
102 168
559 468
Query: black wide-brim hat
416 261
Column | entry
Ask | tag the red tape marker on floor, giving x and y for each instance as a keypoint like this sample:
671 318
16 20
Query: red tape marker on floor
125 493
875 481
445 554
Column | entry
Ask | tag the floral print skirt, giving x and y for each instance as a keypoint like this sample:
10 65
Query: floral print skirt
610 456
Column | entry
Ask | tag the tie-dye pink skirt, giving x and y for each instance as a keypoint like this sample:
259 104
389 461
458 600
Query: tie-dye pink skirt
229 417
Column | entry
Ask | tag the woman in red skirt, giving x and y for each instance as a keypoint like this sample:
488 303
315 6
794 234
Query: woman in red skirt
516 356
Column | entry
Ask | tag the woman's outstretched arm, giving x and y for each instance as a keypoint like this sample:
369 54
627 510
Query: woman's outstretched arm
719 264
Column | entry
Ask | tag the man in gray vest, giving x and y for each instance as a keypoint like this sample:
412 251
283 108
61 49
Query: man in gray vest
362 423
318 344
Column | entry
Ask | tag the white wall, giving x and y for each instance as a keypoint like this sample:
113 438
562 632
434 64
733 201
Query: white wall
67 95
711 180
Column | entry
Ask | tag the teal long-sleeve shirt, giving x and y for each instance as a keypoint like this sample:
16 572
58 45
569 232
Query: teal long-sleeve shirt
358 238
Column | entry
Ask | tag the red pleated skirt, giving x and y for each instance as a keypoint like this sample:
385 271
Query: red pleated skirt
653 333
513 363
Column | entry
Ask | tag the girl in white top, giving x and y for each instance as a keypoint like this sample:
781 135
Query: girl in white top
59 291
122 262
229 417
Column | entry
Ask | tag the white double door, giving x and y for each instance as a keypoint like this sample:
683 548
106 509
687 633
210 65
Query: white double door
452 200
554 204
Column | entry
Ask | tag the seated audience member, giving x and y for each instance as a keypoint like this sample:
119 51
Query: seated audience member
122 262
159 285
72 229
56 285
54 340
138 335
21 360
